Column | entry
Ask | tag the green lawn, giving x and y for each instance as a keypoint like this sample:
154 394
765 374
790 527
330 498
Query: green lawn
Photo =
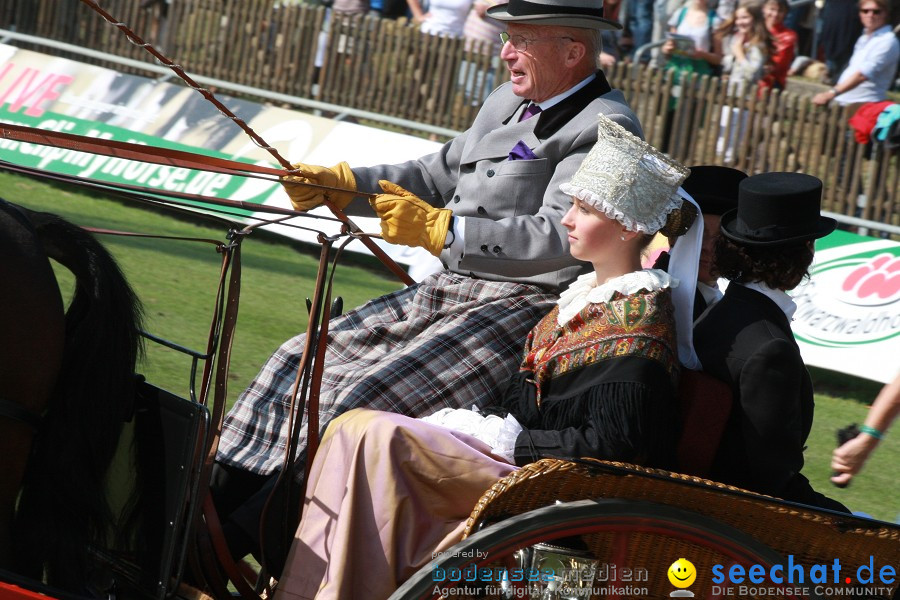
176 281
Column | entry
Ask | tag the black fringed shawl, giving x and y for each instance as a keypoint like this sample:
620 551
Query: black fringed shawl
602 385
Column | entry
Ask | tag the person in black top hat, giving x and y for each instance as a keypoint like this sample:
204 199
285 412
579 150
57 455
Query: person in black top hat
766 248
715 189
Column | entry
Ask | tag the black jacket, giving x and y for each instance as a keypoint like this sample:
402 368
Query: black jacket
746 341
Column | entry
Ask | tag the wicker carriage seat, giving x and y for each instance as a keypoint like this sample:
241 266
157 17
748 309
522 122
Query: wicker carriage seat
810 536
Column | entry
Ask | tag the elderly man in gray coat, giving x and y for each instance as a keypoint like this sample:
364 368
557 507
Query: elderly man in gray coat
489 205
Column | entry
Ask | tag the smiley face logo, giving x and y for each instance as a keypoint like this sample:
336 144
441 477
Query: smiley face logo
682 573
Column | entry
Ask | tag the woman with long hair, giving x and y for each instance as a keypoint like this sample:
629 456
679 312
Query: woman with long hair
747 48
747 45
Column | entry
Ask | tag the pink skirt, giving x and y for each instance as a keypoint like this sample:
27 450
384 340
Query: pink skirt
386 493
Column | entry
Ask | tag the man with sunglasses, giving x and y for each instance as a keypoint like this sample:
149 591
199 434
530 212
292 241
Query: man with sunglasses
488 204
873 64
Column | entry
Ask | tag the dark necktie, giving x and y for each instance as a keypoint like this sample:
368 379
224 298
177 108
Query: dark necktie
530 111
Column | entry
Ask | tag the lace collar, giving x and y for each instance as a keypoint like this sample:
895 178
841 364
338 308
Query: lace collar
584 290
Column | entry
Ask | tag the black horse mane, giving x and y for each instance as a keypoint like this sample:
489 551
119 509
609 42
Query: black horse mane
63 509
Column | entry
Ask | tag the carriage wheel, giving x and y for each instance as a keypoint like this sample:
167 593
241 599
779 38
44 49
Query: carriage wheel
586 517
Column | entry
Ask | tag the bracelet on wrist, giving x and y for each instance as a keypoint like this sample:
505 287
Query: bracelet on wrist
834 91
871 431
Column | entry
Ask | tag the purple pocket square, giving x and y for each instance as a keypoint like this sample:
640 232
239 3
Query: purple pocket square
521 152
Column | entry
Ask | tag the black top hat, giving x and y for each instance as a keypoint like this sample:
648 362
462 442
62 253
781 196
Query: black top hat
777 209
714 188
587 14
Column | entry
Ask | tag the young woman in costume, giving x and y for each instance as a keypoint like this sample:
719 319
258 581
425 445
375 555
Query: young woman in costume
386 492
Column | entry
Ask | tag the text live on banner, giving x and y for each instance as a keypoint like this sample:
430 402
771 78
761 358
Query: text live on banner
46 92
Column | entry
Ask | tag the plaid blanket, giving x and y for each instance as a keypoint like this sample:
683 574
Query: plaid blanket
450 341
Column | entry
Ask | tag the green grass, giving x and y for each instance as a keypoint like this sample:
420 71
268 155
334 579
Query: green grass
176 281
841 400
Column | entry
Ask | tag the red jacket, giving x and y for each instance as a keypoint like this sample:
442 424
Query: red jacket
785 43
863 120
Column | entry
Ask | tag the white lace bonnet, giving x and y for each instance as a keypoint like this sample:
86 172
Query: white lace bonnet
627 179
632 182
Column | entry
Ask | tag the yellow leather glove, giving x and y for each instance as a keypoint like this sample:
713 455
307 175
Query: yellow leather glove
407 219
305 198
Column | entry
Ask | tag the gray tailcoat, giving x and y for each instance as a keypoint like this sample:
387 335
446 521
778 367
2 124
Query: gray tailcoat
513 208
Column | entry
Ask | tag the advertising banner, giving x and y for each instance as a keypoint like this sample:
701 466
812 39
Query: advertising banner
848 313
37 90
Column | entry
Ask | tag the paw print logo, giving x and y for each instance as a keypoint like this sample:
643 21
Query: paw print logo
874 282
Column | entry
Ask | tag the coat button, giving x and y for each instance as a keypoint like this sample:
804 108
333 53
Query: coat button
497 249
456 198
481 210
484 248
490 172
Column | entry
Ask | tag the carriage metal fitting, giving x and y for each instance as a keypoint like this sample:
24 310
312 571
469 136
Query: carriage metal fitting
555 571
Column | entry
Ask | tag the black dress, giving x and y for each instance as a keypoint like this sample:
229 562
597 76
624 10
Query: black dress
602 385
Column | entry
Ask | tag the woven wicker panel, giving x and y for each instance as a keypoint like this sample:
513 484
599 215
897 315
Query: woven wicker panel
812 537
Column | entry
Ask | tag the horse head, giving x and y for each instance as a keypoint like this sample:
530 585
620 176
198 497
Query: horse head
72 375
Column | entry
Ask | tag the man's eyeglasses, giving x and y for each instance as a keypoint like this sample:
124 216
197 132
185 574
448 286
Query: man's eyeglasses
521 43
872 11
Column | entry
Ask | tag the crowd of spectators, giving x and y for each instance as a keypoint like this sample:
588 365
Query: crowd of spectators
828 33
751 42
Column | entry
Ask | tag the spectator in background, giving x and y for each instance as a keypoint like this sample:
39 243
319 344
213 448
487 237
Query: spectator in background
611 52
698 51
341 9
725 9
840 27
662 12
480 31
348 8
785 41
873 65
390 9
747 48
444 17
639 23
802 19
848 460
479 27
698 22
